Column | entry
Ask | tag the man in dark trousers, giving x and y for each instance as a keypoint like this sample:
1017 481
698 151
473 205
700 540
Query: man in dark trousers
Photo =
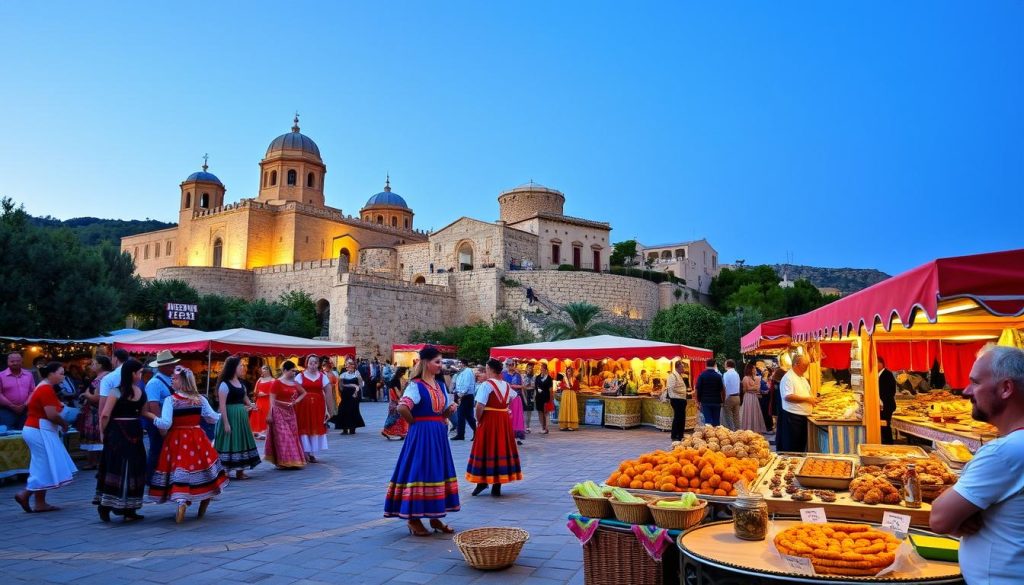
710 394
887 395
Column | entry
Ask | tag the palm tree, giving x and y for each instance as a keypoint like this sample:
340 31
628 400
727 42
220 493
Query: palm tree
582 323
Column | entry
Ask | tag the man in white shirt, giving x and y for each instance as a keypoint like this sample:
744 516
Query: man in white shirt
797 403
113 379
464 387
731 406
986 505
677 393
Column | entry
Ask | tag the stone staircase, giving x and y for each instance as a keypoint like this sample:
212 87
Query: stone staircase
533 318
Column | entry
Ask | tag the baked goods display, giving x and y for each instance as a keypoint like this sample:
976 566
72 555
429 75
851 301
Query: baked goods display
840 405
706 472
955 451
822 467
739 444
840 549
873 489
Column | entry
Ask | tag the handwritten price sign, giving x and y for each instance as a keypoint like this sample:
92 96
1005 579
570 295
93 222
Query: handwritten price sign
813 515
898 523
798 565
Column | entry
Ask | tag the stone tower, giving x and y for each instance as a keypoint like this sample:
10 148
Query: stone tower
526 201
200 192
292 170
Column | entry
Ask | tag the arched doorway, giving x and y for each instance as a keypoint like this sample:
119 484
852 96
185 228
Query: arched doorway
323 317
419 280
465 256
218 253
345 258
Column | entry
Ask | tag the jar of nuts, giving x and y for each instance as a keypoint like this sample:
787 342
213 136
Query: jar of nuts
750 517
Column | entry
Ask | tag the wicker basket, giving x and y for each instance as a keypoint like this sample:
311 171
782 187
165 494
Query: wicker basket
593 507
491 548
637 513
614 556
677 519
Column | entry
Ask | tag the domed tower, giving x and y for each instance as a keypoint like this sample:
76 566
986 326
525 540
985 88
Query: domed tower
292 170
201 190
387 208
526 201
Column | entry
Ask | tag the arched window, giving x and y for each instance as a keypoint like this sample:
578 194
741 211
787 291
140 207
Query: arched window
146 252
407 223
420 280
292 176
323 317
168 252
345 257
466 256
394 221
380 219
204 201
265 178
273 178
556 254
309 180
188 199
218 252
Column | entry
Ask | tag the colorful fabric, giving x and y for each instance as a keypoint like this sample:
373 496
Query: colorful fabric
121 479
494 458
237 449
424 484
283 447
189 469
312 410
43 396
395 425
653 539
568 411
88 426
518 417
583 528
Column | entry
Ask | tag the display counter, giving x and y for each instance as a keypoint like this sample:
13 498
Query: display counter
626 412
659 414
711 554
843 508
839 437
921 428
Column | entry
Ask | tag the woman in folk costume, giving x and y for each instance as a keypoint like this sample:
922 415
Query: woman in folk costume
312 411
234 441
50 466
258 417
189 468
424 484
395 425
284 448
494 459
121 478
568 411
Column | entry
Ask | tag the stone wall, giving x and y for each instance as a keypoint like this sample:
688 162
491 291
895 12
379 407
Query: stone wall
523 202
477 292
518 247
380 261
152 251
481 236
622 296
227 282
413 260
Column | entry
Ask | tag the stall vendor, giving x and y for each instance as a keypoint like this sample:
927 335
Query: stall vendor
986 505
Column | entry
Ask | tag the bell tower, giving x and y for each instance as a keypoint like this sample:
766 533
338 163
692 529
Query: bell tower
292 169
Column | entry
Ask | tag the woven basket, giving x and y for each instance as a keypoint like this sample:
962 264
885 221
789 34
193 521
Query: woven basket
593 507
634 513
676 519
614 556
491 548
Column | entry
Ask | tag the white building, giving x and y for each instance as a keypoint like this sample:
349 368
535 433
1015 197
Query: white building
695 261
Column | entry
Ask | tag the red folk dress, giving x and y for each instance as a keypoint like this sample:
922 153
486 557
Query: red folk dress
189 468
258 417
311 413
495 458
283 448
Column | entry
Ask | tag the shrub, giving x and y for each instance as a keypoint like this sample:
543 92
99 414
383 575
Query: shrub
566 268
646 274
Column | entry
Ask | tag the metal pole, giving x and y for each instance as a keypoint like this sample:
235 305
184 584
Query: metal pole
209 368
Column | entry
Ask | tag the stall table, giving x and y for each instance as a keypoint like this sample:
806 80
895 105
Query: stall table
613 556
14 455
939 432
659 414
622 412
844 508
839 437
711 554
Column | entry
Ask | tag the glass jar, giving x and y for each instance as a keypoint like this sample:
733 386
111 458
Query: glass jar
750 517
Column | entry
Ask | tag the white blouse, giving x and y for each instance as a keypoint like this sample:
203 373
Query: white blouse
324 380
484 389
167 413
412 392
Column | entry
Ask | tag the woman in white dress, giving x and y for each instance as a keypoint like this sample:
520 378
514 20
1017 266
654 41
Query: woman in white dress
751 417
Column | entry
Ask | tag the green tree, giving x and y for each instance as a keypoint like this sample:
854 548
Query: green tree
217 312
623 254
694 325
149 305
474 341
582 322
302 318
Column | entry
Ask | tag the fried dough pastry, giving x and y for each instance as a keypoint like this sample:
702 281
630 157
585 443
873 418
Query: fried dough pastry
840 549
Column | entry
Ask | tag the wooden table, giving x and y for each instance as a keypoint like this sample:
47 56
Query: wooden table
844 508
934 431
711 554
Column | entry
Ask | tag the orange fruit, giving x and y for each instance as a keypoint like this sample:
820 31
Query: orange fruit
625 481
683 482
720 492
726 486
695 482
714 481
668 487
648 485
706 472
636 484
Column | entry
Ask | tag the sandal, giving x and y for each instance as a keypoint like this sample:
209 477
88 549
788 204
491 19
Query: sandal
417 529
440 527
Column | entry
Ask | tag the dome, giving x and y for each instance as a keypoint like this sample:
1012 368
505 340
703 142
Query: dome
386 198
293 140
203 177
532 187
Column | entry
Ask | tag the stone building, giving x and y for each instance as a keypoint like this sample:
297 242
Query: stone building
696 262
374 277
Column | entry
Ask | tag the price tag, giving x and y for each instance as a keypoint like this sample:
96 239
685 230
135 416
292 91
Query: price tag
898 523
798 565
814 515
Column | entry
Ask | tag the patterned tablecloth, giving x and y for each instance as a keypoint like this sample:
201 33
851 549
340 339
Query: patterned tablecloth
14 456
973 441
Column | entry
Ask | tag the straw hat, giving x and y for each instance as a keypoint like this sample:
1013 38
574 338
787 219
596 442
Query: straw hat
164 358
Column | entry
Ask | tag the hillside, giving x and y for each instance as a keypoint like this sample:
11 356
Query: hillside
92 231
847 280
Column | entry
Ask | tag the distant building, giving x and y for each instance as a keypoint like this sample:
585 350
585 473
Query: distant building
695 261
830 291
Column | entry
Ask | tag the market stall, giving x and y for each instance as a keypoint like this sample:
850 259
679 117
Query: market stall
404 354
621 376
941 312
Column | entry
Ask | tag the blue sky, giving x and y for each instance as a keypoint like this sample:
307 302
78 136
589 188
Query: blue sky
862 134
